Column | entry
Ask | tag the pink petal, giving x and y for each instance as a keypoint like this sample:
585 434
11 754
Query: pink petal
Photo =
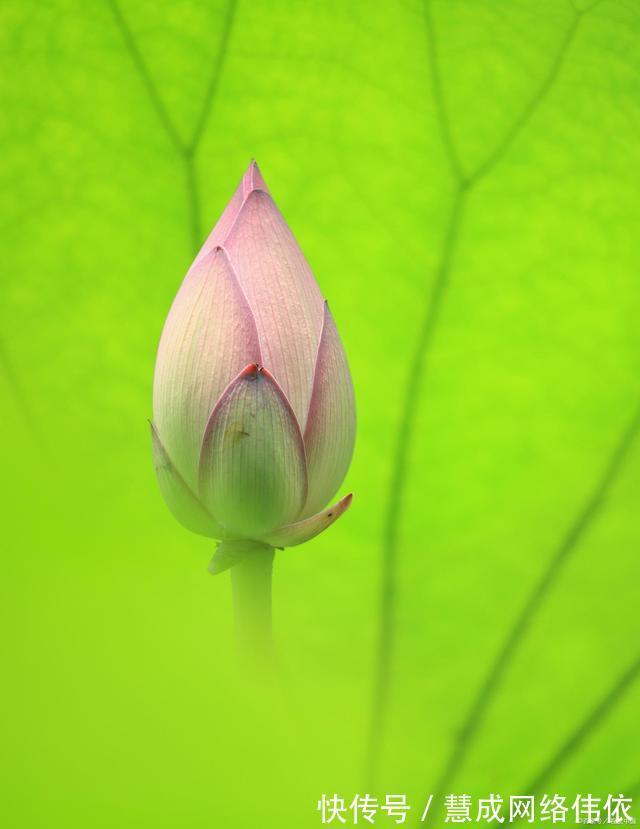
209 335
303 531
283 295
252 180
252 467
184 505
331 427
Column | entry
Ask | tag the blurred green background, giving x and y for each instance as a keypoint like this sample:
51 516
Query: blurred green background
463 177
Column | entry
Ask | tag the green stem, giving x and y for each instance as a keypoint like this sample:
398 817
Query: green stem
251 587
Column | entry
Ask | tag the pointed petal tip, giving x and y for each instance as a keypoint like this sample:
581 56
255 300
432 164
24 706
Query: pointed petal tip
250 372
302 531
255 370
211 255
207 257
334 512
253 180
256 199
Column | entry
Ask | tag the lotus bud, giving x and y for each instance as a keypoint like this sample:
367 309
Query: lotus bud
254 415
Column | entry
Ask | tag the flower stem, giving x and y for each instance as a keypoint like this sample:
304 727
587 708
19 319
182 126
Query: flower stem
251 588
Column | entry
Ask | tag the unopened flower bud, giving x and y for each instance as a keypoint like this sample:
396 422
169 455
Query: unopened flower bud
254 415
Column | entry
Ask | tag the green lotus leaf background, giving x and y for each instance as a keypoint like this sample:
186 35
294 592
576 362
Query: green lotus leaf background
463 178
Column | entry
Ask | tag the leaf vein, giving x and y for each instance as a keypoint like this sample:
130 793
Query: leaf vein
416 384
613 696
22 399
576 532
186 149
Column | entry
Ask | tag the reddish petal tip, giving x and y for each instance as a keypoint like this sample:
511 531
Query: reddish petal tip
250 372
205 260
301 531
342 506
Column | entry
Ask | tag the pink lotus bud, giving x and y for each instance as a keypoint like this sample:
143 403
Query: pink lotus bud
254 415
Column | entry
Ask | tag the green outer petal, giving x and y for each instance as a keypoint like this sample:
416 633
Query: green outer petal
230 553
184 505
302 531
252 470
